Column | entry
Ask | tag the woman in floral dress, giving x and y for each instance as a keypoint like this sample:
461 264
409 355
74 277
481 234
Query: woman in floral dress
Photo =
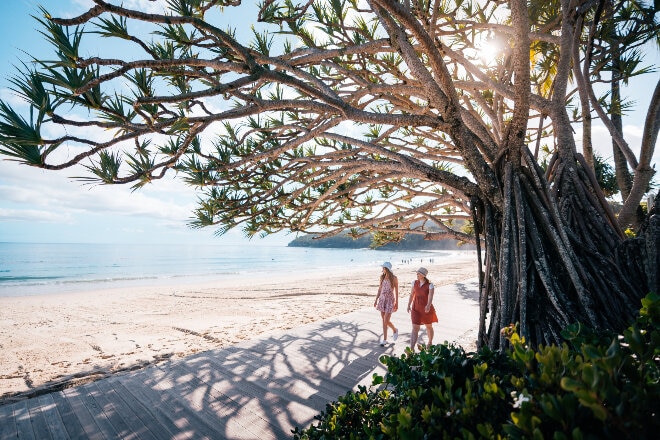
387 301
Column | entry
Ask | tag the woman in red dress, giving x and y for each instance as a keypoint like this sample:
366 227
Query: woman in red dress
420 307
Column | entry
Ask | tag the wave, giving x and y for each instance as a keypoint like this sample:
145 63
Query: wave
59 280
39 281
26 279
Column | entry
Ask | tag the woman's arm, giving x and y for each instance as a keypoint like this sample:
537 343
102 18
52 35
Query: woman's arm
430 301
378 294
396 293
412 295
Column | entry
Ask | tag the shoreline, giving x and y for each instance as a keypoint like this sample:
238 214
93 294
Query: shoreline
57 341
38 269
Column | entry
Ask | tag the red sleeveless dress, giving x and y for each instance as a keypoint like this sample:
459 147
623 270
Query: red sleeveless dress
417 309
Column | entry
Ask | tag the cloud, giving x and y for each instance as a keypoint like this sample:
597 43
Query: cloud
149 6
602 141
33 215
10 97
28 189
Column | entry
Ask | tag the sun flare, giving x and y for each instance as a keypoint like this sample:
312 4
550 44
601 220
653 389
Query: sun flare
488 51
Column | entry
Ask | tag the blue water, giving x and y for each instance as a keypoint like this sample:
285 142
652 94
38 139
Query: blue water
42 268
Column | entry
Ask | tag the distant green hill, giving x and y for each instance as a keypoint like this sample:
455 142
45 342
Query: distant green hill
408 243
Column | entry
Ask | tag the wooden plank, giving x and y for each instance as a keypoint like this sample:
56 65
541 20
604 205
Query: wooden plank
111 413
38 420
265 374
249 364
85 415
8 428
109 425
314 369
71 423
256 408
147 415
258 375
224 413
165 417
151 388
356 356
137 425
319 362
223 383
52 416
22 419
368 356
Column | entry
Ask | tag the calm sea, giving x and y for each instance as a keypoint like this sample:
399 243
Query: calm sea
43 268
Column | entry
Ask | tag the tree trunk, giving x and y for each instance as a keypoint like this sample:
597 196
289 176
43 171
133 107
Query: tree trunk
554 256
623 177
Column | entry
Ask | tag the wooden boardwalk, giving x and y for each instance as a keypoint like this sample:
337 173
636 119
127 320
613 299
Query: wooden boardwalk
261 389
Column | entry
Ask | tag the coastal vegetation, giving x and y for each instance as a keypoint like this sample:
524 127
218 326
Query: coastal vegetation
376 116
374 240
407 242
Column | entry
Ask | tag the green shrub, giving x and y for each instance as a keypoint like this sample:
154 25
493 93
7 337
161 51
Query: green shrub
593 386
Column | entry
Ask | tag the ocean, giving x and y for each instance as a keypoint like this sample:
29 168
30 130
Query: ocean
46 268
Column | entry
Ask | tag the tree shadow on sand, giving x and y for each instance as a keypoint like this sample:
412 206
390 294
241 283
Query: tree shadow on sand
468 290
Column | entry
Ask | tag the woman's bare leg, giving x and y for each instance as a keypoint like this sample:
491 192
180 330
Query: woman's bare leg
429 333
386 323
389 323
413 337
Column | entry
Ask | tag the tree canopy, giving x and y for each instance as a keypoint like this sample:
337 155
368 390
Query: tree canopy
367 115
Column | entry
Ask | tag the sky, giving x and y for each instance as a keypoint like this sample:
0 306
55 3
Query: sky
46 206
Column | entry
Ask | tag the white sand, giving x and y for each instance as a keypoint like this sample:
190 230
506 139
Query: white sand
50 341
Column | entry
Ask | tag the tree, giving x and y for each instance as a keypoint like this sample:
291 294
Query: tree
376 115
616 47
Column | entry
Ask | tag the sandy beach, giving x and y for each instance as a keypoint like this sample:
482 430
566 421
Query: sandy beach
61 340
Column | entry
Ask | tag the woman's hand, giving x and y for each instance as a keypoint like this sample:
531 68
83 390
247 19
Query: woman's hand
427 308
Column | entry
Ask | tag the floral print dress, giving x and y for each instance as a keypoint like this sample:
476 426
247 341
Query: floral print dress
386 299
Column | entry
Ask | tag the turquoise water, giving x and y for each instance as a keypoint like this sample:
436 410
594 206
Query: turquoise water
42 268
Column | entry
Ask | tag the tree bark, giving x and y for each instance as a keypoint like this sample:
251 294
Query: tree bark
554 256
644 172
623 177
